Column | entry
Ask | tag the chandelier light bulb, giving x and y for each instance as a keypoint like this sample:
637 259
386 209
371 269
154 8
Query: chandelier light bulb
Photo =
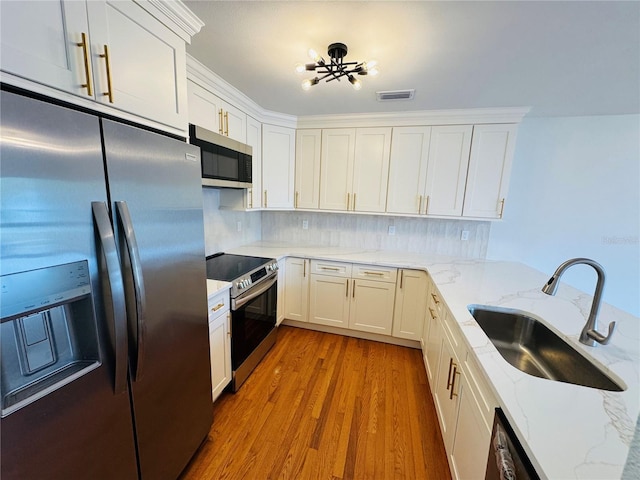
314 55
370 64
357 84
373 71
300 67
306 84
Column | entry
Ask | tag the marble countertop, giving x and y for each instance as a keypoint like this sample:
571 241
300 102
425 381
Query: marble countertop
568 431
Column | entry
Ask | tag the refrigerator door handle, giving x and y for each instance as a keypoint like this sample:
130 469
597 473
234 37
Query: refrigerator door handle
116 287
124 218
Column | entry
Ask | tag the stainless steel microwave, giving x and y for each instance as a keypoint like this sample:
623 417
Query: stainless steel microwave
225 161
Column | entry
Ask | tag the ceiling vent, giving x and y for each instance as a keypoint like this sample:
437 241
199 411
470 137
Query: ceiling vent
390 95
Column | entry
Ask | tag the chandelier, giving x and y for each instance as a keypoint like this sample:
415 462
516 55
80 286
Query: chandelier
336 68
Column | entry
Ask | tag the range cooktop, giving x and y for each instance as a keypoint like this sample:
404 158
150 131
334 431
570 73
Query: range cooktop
241 270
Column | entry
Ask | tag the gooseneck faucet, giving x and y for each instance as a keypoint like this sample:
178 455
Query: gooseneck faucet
589 335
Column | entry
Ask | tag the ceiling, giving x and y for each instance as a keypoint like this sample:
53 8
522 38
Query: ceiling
559 58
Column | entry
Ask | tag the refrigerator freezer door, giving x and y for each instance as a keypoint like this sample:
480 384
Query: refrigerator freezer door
159 179
52 169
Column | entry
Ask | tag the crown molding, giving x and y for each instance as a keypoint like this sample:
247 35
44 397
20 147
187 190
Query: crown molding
175 15
203 76
424 117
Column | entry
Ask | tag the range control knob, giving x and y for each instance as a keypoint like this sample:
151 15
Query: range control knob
239 285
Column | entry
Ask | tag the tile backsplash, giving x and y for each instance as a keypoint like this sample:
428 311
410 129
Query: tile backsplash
221 225
421 235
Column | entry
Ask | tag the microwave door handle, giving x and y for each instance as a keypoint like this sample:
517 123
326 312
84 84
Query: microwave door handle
116 287
241 301
133 254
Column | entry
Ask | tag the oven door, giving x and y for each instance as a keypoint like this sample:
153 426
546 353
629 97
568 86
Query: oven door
253 318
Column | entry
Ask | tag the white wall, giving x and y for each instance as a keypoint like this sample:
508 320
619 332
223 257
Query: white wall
575 192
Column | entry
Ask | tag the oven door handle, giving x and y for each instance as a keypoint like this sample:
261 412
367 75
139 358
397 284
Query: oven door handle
237 303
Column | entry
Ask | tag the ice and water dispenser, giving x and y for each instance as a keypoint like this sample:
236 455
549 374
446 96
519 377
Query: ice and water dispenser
48 332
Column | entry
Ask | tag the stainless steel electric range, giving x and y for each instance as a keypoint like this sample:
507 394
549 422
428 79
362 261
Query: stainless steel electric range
253 308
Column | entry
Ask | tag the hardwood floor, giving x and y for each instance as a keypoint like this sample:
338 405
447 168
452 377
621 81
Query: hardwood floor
323 406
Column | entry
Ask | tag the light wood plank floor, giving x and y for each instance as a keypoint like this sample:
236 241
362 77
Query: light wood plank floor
324 406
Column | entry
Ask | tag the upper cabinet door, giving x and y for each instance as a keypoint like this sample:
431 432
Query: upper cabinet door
234 123
307 192
336 170
408 169
203 107
39 42
144 72
489 170
278 165
371 169
447 169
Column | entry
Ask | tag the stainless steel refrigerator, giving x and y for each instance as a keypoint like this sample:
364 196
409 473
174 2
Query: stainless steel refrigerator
105 357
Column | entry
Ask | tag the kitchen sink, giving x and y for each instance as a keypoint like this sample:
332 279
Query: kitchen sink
530 346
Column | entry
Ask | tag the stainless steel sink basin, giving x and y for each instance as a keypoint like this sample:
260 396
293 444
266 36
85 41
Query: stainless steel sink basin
530 346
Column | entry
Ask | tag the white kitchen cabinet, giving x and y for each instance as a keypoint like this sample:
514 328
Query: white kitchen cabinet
447 391
40 43
447 169
219 342
296 302
130 61
209 111
472 440
371 169
278 166
354 169
434 340
358 297
371 307
408 170
410 304
254 140
307 184
336 168
329 300
492 150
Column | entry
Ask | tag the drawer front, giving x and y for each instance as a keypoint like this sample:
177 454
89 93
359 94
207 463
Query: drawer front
482 393
375 272
218 304
335 269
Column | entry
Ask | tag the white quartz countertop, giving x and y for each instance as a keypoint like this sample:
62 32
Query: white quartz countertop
569 431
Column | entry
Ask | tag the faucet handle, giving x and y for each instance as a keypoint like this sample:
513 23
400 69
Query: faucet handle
598 337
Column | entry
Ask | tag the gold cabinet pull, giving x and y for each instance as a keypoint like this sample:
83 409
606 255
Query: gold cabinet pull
453 382
348 200
265 199
304 268
379 274
426 207
401 278
107 61
217 307
346 293
449 380
419 204
354 202
435 298
226 123
333 269
220 122
87 72
295 200
432 313
501 208
353 289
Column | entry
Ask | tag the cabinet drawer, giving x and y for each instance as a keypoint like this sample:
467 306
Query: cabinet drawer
482 393
374 272
336 269
218 304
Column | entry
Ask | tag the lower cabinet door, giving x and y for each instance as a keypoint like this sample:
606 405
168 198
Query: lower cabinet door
372 306
220 353
329 300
